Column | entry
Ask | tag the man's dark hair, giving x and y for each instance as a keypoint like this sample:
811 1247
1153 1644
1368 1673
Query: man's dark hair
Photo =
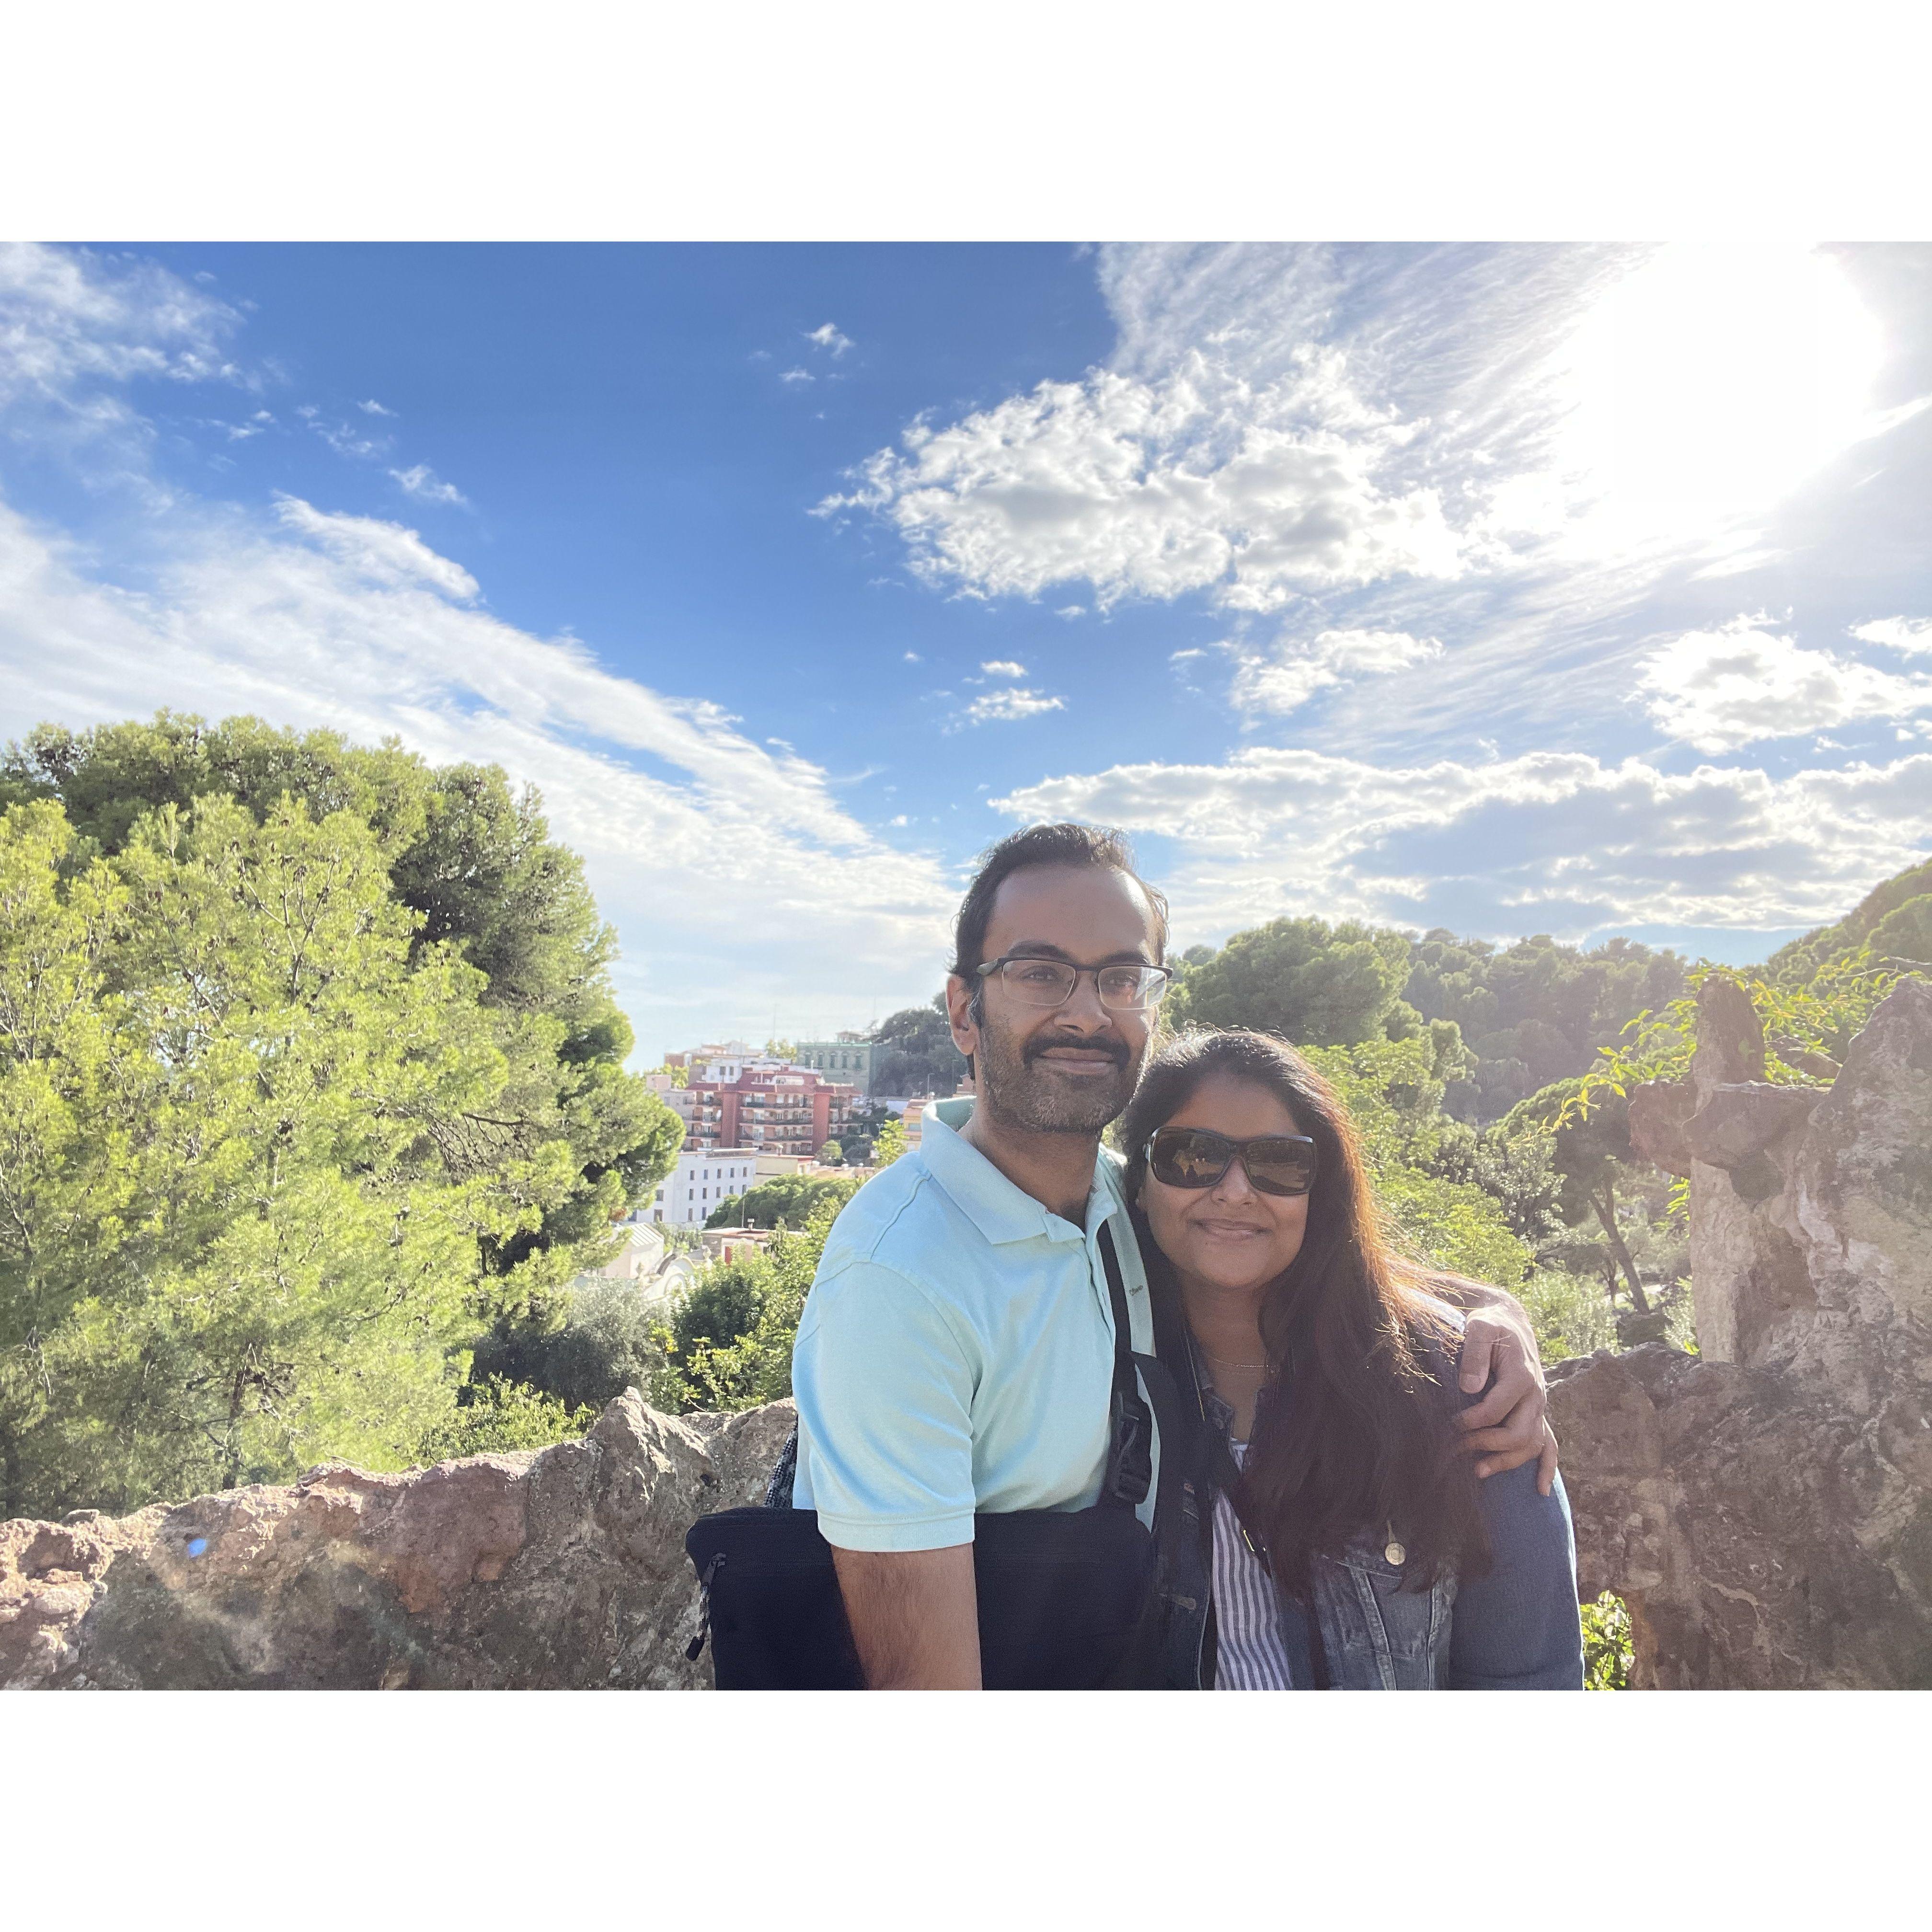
1063 844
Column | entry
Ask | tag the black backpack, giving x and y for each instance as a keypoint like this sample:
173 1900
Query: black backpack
1069 1599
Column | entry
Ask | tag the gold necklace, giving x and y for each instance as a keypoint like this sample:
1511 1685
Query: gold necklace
1222 1362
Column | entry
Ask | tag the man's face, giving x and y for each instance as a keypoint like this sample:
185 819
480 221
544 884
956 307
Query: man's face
1057 1070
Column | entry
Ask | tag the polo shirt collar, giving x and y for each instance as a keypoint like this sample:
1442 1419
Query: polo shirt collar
1001 1211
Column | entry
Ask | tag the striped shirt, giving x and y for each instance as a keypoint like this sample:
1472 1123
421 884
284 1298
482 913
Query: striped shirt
1250 1652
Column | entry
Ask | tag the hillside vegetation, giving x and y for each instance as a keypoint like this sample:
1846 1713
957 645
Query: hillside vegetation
312 1107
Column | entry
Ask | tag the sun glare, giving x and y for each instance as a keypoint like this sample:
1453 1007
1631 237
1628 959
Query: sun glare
1712 379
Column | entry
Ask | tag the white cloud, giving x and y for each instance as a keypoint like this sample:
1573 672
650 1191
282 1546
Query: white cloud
913 657
1721 688
796 376
1430 440
1070 611
1548 842
1897 634
422 482
1010 702
1199 480
72 320
729 867
374 408
1295 670
355 624
1002 667
826 336
345 441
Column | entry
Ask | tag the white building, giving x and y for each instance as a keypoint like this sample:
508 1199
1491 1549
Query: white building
701 1182
641 1256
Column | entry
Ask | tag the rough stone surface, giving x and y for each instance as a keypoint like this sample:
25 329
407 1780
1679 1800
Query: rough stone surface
1766 1507
558 1568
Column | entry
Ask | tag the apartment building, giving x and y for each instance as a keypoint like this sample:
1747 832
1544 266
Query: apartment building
849 1057
703 1179
767 1106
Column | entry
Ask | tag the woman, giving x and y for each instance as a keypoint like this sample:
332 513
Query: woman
1332 1534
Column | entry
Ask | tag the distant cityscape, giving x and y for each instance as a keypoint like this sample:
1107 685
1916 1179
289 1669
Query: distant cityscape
750 1115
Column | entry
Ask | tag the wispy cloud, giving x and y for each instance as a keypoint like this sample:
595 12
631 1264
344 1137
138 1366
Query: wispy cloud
345 441
372 408
420 482
796 376
310 617
1002 667
1284 679
1010 702
828 336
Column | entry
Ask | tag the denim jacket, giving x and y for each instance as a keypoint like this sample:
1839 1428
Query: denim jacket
1514 1627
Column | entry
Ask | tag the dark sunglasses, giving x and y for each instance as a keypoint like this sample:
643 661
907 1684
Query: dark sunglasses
1192 1157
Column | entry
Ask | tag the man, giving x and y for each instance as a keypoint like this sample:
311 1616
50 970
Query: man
956 1352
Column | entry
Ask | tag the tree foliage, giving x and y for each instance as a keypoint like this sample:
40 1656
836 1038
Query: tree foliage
1310 982
269 1154
730 1342
890 1145
1393 1092
785 1201
1890 921
475 861
916 1054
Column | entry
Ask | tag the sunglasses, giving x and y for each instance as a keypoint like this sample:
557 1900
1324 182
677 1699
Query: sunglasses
1192 1157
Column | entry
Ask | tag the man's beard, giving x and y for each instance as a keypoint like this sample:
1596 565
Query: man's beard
1019 1092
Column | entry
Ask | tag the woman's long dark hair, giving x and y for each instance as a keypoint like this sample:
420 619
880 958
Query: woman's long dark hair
1358 1432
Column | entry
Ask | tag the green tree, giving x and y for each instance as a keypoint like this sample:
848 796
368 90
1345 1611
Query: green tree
1534 1012
720 1305
789 1200
502 1416
1393 1092
833 1154
890 1145
1798 965
1593 1161
1310 982
754 1366
71 1087
916 1055
607 1341
279 1268
475 861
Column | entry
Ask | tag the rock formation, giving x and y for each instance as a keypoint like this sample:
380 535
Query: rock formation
1766 1507
557 1568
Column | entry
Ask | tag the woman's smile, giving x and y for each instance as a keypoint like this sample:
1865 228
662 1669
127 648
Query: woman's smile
1228 1238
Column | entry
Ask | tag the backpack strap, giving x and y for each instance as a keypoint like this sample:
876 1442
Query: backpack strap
1130 1423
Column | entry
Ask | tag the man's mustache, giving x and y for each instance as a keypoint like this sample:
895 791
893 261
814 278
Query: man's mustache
1115 1050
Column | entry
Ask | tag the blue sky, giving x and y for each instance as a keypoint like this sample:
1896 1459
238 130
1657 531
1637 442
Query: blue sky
1531 588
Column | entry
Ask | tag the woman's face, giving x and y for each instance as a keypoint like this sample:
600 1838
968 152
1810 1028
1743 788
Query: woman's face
1229 1236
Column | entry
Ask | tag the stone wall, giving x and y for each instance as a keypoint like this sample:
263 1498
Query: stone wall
1766 1507
560 1568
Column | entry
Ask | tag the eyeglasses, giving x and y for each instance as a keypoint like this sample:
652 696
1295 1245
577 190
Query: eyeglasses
1050 983
1192 1157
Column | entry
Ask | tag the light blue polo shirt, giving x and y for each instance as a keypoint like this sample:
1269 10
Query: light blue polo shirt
956 1352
